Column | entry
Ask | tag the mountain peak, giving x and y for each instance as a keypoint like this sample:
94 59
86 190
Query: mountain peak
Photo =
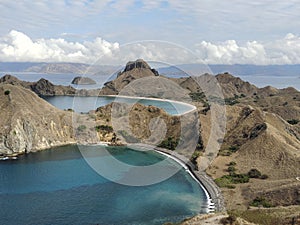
139 63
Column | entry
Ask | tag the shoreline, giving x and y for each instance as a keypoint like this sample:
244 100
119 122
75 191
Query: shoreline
192 107
215 202
212 191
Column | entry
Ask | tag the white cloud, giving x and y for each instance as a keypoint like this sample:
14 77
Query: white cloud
282 51
17 46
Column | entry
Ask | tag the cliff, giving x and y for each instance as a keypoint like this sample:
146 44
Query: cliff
28 123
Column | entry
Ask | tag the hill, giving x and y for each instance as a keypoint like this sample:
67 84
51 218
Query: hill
42 87
134 70
28 123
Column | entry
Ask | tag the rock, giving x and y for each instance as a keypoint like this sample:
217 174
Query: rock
42 87
134 70
136 64
83 81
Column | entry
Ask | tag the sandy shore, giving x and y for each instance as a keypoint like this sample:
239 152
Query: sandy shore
190 106
215 198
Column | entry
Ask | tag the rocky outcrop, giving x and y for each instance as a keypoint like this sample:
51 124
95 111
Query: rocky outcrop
133 71
28 123
42 87
83 81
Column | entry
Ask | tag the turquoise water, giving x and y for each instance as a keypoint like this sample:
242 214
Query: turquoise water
57 186
84 104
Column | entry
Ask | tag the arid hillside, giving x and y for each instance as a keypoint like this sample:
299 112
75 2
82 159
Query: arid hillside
28 123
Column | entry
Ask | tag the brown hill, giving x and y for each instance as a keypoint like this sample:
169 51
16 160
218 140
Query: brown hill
133 71
264 141
28 123
42 87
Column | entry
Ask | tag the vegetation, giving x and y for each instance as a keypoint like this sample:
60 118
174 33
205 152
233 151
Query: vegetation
197 97
229 151
81 128
254 173
194 157
258 217
293 121
169 143
69 110
260 201
233 148
231 101
7 92
232 163
234 100
105 128
228 220
231 169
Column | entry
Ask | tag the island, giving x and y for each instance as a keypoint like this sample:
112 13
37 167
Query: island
83 81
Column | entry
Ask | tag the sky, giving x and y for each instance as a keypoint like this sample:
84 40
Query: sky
259 32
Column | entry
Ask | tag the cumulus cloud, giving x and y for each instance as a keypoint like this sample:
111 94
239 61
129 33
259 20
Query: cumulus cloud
282 51
18 47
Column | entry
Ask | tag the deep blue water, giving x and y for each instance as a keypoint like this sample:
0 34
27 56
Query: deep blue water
57 186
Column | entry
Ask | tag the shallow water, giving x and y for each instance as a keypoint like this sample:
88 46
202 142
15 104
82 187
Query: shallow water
57 186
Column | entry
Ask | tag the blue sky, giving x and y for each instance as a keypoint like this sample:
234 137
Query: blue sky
236 31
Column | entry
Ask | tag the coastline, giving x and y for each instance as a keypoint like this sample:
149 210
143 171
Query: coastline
192 107
215 199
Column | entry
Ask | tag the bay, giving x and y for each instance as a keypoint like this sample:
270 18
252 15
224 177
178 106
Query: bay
57 186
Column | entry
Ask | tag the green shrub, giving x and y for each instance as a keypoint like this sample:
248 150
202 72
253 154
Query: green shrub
7 92
240 178
169 143
106 128
229 180
231 101
228 220
81 128
233 148
260 201
254 173
231 169
197 97
293 121
232 163
194 157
